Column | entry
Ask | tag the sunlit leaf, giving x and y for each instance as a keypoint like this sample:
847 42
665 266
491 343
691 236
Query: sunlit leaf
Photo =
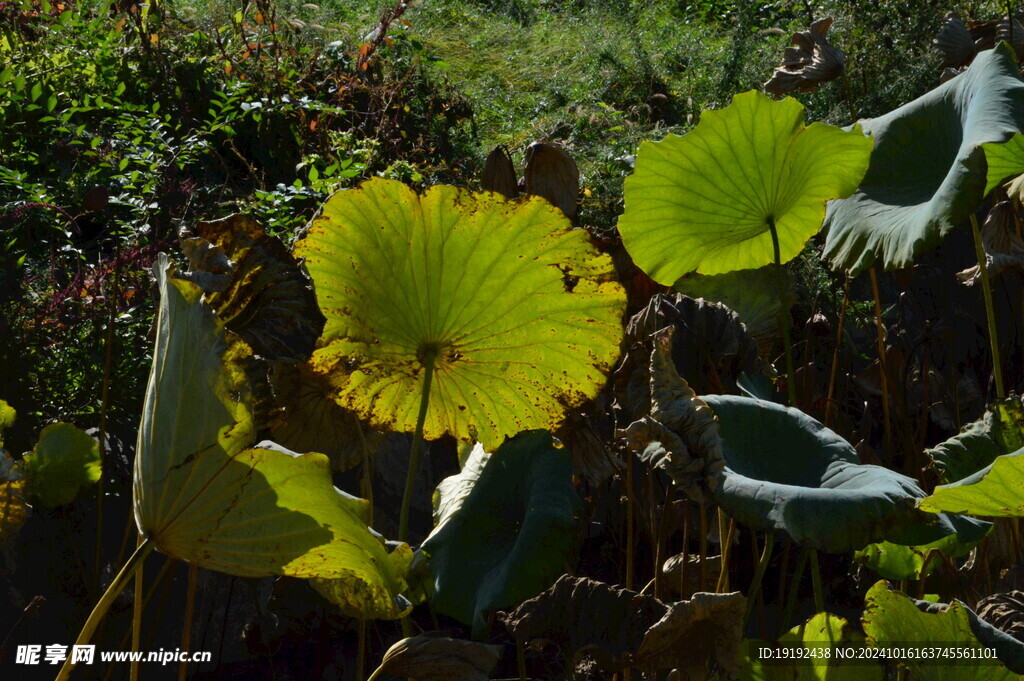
519 310
896 561
999 431
704 201
814 646
811 61
204 494
65 460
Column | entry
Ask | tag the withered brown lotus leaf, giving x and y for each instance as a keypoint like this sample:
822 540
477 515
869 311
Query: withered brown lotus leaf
432 657
500 174
810 61
1004 249
552 174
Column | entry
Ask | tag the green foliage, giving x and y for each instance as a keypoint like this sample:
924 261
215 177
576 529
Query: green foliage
514 311
64 461
747 187
819 636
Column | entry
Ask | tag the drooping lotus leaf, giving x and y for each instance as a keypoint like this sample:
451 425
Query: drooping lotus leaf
786 471
758 296
255 286
811 60
1004 249
552 174
1004 611
1005 162
703 201
518 308
499 174
995 491
204 494
892 619
820 636
510 535
63 461
711 348
434 657
896 561
927 172
619 627
999 431
14 506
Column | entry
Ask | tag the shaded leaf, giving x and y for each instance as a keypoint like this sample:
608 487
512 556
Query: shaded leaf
705 201
255 286
999 431
810 62
1004 249
808 481
819 636
309 420
506 528
552 174
895 561
204 494
623 628
438 658
758 296
64 460
927 171
686 584
518 308
955 42
891 618
14 508
500 174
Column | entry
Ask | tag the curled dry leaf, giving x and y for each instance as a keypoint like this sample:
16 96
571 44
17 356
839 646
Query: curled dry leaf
685 583
1004 611
430 657
255 285
552 174
811 61
621 628
500 174
959 42
1004 249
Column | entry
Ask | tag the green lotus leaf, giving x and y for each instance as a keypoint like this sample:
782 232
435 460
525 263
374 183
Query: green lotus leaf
7 416
518 309
63 461
995 491
255 286
892 619
14 506
705 201
204 494
927 173
999 431
506 528
1005 162
895 561
786 471
820 636
760 297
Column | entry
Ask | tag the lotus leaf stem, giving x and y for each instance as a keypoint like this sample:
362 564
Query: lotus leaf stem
132 566
794 587
784 323
417 445
762 566
819 594
986 287
835 352
883 366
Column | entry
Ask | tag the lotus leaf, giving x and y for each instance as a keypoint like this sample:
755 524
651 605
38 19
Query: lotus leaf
516 310
999 431
1005 162
995 491
64 460
255 286
552 174
927 173
619 627
819 636
204 494
708 201
7 416
431 657
499 174
891 618
786 471
896 561
811 60
506 529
